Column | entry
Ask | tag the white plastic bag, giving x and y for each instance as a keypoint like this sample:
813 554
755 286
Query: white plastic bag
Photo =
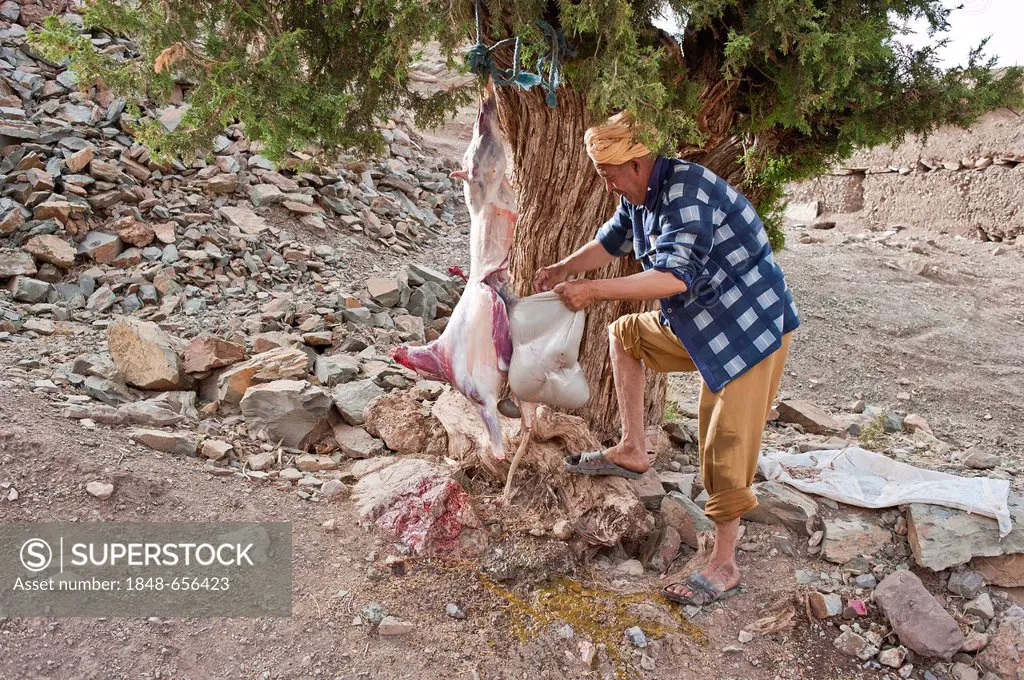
856 476
546 339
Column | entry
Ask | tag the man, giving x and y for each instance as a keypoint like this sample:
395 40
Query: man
725 311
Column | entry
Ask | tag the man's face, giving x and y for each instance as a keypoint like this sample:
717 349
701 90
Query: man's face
624 179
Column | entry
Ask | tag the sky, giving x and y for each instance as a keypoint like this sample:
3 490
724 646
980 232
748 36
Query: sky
1003 20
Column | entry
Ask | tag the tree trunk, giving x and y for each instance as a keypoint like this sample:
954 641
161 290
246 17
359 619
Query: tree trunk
562 202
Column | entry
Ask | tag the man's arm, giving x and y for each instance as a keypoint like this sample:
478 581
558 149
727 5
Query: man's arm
648 285
614 239
592 255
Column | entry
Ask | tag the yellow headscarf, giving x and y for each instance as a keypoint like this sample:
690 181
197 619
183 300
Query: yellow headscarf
612 143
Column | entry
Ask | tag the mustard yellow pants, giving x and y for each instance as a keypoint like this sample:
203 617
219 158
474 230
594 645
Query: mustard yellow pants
730 422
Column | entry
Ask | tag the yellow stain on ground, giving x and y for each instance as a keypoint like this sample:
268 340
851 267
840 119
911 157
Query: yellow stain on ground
600 615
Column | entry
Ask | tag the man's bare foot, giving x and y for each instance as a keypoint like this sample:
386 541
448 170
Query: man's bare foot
629 457
724 577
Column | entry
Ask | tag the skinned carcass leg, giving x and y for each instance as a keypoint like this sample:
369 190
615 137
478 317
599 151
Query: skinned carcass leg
474 352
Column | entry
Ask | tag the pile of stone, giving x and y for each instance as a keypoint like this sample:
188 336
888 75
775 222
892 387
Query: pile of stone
90 223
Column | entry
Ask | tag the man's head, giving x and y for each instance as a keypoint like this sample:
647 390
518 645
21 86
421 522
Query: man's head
623 163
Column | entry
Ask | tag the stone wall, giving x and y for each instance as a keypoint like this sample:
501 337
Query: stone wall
968 182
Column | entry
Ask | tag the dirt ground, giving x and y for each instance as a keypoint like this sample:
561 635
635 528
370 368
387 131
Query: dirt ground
912 314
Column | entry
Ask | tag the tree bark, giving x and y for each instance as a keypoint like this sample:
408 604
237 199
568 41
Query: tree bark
562 202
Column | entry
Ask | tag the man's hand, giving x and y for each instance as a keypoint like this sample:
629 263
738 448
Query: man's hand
577 295
548 277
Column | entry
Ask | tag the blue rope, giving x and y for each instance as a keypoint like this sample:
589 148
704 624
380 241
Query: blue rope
480 61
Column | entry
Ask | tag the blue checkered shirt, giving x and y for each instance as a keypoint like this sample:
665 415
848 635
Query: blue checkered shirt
736 307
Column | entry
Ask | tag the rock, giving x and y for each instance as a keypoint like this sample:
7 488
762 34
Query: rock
274 339
16 263
825 605
562 530
41 326
261 461
293 412
150 414
1004 654
52 249
1003 570
385 292
355 442
100 246
452 610
427 274
207 352
637 637
891 422
404 424
164 232
266 194
12 221
678 481
779 504
942 537
685 517
851 644
813 419
352 398
107 391
215 449
981 606
336 369
25 289
666 550
310 463
962 671
916 617
630 568
966 584
393 626
134 232
865 581
334 488
803 213
247 222
145 355
78 160
169 442
849 538
975 642
980 460
588 654
275 364
913 422
744 637
892 657
374 613
649 489
423 303
101 490
421 506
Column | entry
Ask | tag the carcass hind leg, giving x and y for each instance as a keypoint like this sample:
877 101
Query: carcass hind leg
489 415
529 415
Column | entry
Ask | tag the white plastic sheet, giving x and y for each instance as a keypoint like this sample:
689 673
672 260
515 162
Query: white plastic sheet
546 339
867 479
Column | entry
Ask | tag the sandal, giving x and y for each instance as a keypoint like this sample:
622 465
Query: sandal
596 464
702 591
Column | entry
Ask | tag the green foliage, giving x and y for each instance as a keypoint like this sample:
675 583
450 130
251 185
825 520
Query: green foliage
872 435
805 81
